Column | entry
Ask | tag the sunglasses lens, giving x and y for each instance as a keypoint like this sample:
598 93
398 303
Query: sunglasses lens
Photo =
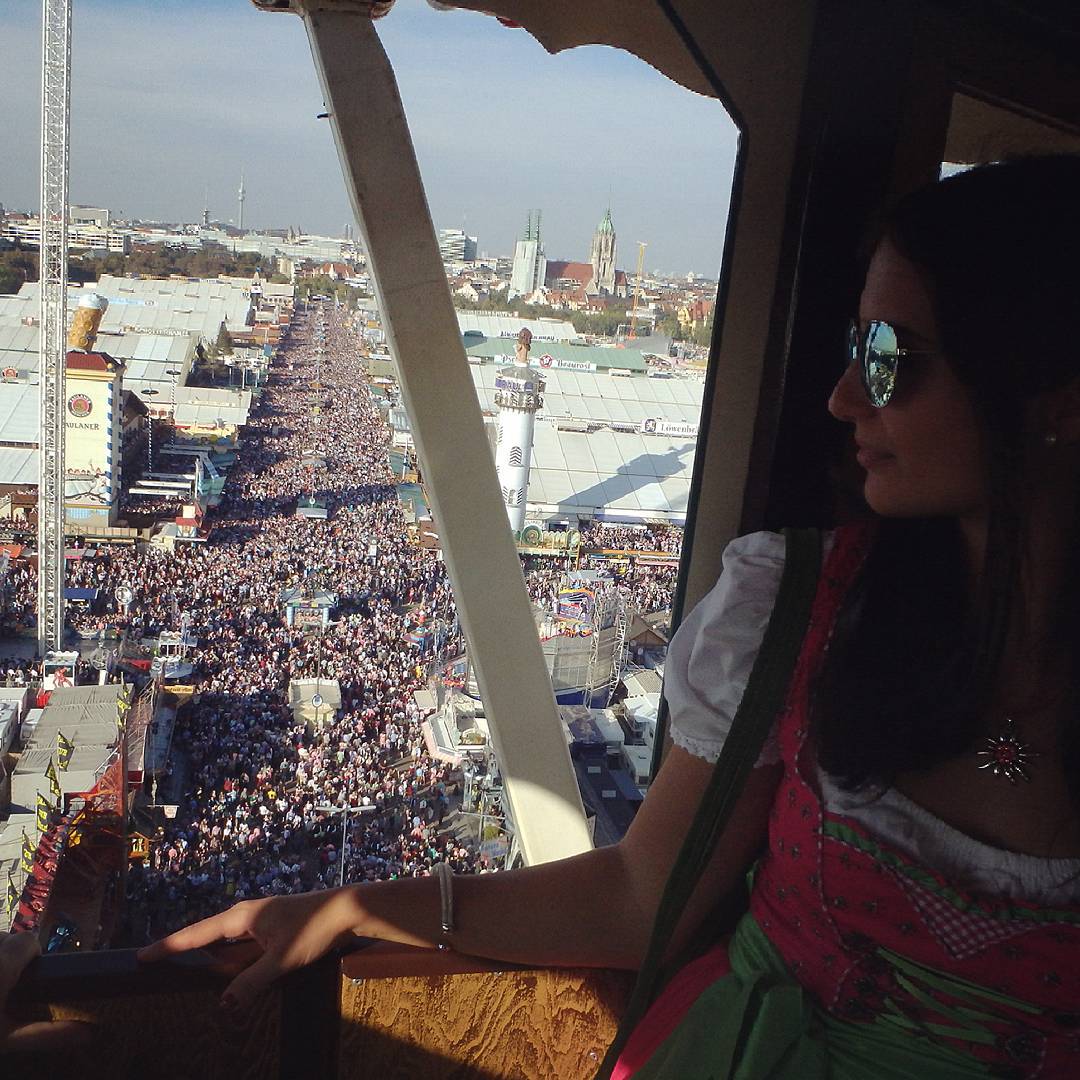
853 342
880 362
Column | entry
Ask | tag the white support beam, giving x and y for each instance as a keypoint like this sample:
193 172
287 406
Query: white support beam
383 181
55 109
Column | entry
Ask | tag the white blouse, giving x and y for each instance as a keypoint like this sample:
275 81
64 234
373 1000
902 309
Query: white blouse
707 668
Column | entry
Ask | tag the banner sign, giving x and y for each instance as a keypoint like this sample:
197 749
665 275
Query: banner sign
663 427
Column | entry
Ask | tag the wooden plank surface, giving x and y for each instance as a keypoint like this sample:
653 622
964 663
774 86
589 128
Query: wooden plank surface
184 1036
533 1025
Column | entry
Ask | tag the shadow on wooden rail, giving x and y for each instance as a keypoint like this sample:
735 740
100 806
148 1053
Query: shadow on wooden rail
385 1012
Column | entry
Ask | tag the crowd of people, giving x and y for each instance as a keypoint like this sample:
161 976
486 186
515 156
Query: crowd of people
644 587
652 537
273 804
269 804
18 597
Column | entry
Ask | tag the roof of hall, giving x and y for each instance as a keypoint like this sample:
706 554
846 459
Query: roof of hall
18 414
496 324
602 356
597 396
610 473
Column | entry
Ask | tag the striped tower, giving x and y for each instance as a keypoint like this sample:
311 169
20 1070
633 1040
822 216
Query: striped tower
518 391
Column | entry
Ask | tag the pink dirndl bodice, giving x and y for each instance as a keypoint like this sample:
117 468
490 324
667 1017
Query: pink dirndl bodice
876 938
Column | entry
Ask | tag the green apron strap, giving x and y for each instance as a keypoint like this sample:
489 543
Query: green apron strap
764 697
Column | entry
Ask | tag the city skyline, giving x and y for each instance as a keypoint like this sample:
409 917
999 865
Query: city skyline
150 139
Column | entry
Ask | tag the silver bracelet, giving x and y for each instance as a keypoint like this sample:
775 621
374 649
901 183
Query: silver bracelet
446 898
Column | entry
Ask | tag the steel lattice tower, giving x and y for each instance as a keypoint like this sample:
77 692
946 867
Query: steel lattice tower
55 111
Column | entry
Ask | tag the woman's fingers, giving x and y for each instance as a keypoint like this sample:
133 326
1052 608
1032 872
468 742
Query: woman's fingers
233 923
16 951
252 981
48 1037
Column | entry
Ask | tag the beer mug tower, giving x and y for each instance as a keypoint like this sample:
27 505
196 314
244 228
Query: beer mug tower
518 392
93 420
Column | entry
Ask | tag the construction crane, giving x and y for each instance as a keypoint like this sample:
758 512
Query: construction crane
637 287
55 114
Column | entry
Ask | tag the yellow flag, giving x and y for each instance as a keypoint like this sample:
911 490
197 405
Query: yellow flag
54 782
64 749
27 853
43 811
12 894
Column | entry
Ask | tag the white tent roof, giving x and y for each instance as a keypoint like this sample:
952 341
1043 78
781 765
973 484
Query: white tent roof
603 398
19 348
234 413
503 324
19 465
18 412
610 474
213 395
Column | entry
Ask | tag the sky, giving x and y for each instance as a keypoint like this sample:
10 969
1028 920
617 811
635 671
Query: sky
173 99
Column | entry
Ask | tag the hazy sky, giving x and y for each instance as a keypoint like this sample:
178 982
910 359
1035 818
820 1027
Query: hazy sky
171 98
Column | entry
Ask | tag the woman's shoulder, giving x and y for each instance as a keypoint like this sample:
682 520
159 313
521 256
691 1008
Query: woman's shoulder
711 656
756 548
756 560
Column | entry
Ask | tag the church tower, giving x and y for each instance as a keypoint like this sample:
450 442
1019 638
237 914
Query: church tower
529 269
603 258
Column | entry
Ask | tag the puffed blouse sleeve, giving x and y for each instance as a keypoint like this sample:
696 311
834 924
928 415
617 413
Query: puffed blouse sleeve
711 655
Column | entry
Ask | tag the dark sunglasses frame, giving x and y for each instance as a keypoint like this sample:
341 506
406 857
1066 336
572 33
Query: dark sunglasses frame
877 351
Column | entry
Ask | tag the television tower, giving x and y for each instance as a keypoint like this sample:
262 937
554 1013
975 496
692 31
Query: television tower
240 195
206 208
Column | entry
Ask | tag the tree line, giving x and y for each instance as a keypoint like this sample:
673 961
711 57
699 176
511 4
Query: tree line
20 264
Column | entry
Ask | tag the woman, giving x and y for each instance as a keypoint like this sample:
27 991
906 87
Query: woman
916 904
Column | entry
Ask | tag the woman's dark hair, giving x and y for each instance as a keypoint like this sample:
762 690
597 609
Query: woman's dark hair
913 657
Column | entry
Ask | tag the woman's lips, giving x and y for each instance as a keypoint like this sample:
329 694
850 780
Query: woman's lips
872 459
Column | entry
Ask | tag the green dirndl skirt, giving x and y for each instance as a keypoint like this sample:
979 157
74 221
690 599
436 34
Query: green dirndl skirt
758 1023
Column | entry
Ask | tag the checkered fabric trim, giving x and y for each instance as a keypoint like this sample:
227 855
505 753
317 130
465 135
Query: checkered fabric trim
962 933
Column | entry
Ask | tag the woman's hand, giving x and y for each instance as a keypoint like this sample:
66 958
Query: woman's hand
292 931
16 951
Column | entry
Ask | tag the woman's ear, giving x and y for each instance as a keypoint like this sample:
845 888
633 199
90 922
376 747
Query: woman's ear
1057 415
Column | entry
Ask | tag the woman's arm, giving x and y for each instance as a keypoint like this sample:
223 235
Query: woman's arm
595 909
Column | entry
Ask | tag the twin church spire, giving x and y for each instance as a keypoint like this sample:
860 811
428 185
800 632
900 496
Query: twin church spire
602 257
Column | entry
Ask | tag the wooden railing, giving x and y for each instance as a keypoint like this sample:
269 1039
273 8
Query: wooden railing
383 1012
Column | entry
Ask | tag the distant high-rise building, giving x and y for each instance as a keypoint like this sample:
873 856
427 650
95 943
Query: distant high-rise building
530 263
89 215
456 246
602 258
241 195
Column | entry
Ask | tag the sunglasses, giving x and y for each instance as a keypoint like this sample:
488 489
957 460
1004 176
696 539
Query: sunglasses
876 349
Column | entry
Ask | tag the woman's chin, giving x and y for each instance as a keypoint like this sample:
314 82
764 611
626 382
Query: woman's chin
889 500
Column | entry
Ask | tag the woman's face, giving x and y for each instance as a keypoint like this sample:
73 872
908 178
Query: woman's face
922 453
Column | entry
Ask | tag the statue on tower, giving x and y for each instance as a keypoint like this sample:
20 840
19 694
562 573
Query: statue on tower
521 349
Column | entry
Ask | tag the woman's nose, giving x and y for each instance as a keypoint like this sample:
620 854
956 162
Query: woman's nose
848 399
